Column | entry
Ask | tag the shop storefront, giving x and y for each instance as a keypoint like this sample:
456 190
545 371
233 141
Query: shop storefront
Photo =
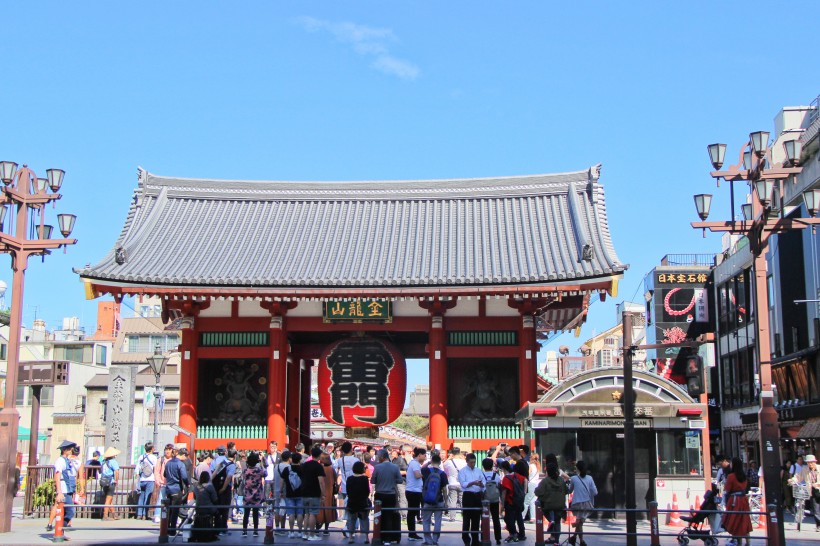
582 418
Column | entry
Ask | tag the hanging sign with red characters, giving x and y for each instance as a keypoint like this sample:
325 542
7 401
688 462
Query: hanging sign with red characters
362 382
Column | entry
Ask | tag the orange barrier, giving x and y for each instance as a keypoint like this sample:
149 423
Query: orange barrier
673 519
570 516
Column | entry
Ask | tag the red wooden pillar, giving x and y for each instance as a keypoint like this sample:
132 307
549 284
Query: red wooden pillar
277 380
294 400
527 384
439 435
188 386
437 354
304 408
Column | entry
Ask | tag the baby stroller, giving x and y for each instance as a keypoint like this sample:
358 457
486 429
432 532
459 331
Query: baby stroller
708 511
187 517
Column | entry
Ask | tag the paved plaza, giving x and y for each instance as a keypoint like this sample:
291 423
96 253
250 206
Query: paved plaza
94 531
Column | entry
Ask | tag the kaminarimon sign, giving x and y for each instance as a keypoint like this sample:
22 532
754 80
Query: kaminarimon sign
362 382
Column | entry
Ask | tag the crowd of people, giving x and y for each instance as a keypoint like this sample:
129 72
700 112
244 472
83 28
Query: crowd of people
308 489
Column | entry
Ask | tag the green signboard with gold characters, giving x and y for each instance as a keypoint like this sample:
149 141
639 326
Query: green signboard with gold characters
357 311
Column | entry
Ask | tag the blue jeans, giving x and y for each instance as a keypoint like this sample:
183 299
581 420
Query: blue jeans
146 488
163 493
239 510
431 521
68 506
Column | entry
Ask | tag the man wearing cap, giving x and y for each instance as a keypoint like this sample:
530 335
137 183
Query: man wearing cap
809 475
385 477
65 474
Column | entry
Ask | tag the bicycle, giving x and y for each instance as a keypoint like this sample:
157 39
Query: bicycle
801 493
755 503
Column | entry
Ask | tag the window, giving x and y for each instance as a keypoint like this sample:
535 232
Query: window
80 407
679 453
146 344
102 354
4 348
74 353
47 396
25 396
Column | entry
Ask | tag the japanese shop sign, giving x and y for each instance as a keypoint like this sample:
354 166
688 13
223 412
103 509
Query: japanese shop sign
682 278
357 311
362 382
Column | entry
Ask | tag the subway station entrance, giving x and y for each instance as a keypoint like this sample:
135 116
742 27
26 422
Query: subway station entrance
582 418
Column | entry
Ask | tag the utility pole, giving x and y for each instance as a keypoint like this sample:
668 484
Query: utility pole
629 432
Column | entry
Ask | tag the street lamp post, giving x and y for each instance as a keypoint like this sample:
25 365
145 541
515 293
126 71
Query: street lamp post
157 361
26 197
755 167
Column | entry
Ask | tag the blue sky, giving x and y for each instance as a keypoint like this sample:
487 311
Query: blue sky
398 90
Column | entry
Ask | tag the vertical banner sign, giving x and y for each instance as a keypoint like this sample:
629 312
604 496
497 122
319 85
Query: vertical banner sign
362 382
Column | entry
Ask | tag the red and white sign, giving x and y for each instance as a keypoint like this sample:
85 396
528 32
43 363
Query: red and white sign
362 382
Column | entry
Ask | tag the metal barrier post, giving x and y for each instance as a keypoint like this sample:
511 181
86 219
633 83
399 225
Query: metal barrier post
485 523
58 521
654 529
539 524
377 524
269 522
163 524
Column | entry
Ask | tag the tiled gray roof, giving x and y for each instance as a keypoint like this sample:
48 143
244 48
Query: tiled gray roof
522 229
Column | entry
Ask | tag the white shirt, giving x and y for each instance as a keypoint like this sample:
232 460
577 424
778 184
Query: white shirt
151 459
451 468
344 468
277 479
270 463
414 484
491 476
467 475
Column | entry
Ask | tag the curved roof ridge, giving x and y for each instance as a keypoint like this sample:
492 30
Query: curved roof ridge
581 174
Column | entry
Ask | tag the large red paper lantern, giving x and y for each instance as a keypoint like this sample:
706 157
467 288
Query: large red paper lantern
362 382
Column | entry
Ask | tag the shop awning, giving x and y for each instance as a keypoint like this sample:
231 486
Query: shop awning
811 429
24 433
751 436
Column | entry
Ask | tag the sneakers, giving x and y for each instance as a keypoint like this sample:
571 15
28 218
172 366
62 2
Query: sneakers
49 527
256 533
511 538
412 538
314 538
244 534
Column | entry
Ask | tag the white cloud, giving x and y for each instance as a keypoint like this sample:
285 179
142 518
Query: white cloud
365 41
396 67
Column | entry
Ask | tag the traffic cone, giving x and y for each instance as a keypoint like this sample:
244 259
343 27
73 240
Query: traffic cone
674 516
570 517
761 519
693 509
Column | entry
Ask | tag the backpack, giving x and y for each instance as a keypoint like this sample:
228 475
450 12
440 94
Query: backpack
146 468
105 480
491 491
220 475
518 492
431 491
294 480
